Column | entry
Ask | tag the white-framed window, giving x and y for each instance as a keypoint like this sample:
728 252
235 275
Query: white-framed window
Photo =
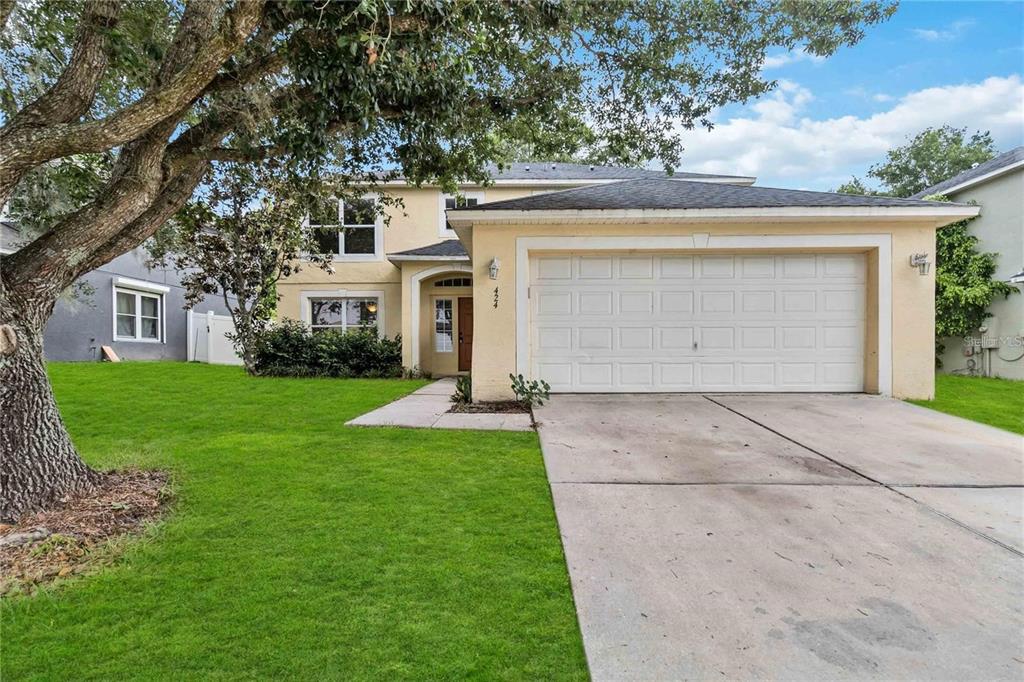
138 316
443 325
455 201
343 314
351 230
454 282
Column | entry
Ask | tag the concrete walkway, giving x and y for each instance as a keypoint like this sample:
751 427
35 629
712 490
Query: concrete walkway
428 408
795 537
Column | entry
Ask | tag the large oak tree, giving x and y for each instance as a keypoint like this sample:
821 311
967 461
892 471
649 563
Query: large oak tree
433 89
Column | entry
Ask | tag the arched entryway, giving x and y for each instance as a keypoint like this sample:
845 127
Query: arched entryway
440 333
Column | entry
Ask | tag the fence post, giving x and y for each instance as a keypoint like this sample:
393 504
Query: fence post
209 336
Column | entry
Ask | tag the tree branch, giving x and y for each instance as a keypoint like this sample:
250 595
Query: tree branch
6 8
71 96
171 198
24 148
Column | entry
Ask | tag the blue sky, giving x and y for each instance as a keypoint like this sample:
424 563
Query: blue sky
933 63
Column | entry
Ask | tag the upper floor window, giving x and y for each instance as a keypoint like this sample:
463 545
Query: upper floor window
138 316
456 201
351 230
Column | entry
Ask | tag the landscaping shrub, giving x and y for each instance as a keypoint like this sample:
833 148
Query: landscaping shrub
291 349
529 393
463 390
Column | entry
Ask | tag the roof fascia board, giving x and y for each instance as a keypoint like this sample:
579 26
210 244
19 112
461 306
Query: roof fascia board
399 258
954 212
991 175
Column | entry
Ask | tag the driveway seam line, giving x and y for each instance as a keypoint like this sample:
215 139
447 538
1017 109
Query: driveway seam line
796 442
991 539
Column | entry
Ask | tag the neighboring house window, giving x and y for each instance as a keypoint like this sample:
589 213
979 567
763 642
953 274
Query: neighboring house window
455 282
138 317
348 229
343 314
456 201
443 325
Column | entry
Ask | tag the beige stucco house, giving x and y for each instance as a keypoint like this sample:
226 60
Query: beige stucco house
997 187
622 280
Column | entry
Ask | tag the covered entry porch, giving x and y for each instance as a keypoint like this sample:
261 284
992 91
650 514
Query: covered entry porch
437 308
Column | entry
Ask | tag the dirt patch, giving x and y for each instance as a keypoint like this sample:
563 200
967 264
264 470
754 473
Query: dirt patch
507 407
80 531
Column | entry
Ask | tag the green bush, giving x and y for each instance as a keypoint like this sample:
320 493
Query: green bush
291 349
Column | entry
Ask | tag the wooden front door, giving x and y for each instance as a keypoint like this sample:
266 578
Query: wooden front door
465 334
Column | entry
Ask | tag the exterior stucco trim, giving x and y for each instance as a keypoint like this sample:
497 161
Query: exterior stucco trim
140 285
697 242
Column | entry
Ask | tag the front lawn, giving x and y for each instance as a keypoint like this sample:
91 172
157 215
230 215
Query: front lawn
300 548
998 402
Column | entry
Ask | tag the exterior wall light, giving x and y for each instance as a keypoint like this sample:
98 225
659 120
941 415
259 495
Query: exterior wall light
1017 279
921 262
494 267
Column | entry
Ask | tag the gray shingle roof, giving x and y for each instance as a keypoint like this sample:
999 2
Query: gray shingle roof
1002 161
449 248
665 193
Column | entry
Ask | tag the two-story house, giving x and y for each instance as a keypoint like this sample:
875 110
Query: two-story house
379 271
604 279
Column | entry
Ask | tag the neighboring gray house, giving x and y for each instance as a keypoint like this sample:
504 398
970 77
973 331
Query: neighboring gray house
998 187
137 311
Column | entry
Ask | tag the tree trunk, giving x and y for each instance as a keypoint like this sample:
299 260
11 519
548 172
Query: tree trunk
40 463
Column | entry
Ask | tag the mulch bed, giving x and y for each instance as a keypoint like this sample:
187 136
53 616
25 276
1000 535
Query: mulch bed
76 533
509 407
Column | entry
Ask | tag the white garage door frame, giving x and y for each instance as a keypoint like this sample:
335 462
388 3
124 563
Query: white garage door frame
699 243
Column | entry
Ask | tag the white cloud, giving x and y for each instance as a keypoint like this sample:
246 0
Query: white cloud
952 32
860 91
775 142
778 60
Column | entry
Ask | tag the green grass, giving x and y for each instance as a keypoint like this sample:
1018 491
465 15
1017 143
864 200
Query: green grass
300 548
997 402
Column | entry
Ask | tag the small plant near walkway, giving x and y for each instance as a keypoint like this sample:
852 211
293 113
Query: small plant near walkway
290 349
462 400
463 390
530 393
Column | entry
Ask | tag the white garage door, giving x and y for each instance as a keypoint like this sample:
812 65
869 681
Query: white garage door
637 323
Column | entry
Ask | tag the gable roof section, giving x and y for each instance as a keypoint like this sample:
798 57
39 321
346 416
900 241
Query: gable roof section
449 249
1004 163
555 173
669 199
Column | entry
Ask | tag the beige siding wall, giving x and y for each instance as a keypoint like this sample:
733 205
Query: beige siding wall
913 320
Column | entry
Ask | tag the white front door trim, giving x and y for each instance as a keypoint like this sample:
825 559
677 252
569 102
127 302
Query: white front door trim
414 302
700 242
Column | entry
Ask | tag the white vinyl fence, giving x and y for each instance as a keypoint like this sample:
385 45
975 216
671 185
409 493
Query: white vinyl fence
207 341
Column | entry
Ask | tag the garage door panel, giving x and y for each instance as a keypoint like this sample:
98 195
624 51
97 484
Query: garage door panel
638 322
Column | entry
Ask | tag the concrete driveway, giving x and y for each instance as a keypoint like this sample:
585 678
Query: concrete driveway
792 537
